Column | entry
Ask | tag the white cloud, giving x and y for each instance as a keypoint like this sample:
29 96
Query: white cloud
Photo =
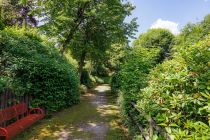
166 24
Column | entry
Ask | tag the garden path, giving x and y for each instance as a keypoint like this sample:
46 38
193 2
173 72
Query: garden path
96 117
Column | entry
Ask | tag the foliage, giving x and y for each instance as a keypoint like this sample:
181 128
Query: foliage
148 50
96 21
88 28
156 38
31 65
18 12
192 33
132 76
175 92
114 56
177 95
1 25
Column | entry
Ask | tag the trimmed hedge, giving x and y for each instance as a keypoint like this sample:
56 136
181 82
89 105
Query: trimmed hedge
31 65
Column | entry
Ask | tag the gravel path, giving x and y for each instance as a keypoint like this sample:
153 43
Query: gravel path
95 118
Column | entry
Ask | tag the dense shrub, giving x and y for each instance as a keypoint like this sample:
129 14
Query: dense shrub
30 65
175 90
133 76
1 25
86 79
148 50
178 93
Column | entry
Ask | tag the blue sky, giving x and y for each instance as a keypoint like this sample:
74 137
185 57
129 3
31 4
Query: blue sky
173 14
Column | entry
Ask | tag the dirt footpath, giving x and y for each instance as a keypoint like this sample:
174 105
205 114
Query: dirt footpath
95 118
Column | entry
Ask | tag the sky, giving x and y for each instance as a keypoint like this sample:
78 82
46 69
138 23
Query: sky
169 14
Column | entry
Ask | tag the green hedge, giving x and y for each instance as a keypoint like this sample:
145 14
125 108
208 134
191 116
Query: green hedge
132 77
31 65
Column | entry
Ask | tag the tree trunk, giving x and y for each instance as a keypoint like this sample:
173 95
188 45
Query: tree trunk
81 64
67 41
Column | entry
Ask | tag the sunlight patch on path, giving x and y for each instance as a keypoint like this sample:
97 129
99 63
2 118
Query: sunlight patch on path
102 88
95 118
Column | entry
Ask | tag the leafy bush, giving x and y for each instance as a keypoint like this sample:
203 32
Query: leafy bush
178 93
133 76
31 65
149 49
174 92
86 79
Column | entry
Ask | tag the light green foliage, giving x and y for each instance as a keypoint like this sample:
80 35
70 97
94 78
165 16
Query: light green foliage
96 21
178 93
31 65
114 56
192 33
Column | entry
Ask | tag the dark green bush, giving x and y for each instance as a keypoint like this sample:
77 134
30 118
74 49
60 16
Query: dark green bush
1 25
85 79
31 65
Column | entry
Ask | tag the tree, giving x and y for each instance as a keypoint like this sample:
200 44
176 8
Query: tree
18 12
25 7
156 38
88 27
192 33
115 56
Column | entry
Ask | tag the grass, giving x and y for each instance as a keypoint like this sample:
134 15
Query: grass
82 121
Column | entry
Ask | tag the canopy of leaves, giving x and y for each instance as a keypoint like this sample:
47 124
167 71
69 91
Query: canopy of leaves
88 26
192 33
156 38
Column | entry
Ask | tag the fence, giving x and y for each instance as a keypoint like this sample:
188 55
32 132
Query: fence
7 99
152 125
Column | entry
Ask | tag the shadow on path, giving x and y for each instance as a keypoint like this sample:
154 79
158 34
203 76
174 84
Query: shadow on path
95 118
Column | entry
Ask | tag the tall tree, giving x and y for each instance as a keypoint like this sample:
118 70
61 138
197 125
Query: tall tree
88 27
161 39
